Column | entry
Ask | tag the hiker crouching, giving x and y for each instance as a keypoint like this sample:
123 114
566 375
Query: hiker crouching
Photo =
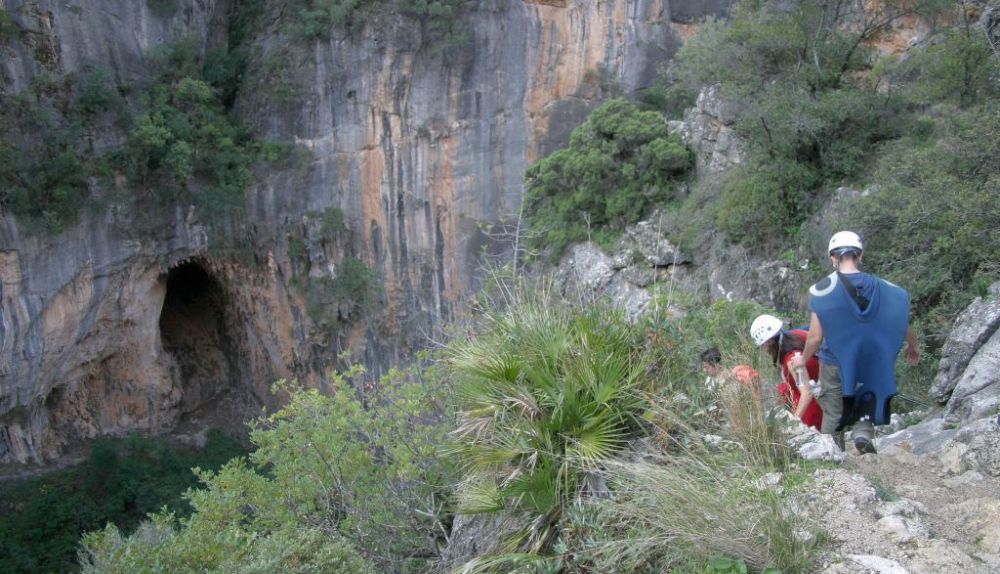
857 326
783 347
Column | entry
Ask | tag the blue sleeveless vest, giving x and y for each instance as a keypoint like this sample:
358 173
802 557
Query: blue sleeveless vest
865 343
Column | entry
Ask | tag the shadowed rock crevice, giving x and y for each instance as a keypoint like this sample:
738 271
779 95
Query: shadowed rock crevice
195 336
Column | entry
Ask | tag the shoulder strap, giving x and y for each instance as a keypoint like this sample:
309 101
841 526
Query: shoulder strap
852 289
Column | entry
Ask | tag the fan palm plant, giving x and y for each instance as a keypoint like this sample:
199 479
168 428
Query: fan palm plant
546 394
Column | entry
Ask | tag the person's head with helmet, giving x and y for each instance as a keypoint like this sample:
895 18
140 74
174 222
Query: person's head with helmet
767 333
845 248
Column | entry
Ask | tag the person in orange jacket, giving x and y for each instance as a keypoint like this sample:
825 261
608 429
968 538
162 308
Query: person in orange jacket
784 347
711 363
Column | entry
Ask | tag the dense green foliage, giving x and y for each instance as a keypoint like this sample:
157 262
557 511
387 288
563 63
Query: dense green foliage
219 546
808 111
619 163
317 18
41 519
334 477
933 225
43 170
818 108
183 144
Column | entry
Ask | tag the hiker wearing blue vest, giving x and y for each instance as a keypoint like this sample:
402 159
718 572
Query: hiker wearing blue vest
857 326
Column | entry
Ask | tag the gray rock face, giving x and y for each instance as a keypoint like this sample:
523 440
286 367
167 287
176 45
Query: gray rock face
474 536
63 37
735 274
586 274
421 148
973 327
973 447
645 241
642 257
977 392
708 131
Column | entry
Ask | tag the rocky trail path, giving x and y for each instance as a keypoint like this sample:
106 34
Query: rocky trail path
928 503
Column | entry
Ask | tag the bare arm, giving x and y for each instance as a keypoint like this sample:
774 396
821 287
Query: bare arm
805 392
813 341
805 399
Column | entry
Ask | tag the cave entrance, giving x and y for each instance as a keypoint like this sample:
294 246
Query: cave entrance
193 330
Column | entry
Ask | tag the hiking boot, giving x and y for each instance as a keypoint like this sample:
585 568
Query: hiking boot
838 439
864 445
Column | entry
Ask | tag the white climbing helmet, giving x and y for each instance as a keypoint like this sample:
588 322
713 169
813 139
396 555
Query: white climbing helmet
764 327
845 241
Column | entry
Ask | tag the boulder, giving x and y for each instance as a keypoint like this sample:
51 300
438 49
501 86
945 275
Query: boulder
585 269
982 441
736 274
973 327
972 447
645 242
977 392
708 131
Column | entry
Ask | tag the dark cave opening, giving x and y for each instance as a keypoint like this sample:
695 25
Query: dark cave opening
193 330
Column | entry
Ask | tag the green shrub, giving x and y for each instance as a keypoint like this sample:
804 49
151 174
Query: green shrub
763 202
317 18
9 30
354 286
184 145
43 179
333 222
931 223
672 512
41 519
96 92
958 66
334 477
619 163
49 191
158 546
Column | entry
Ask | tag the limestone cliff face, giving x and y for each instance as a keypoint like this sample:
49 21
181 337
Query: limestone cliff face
421 147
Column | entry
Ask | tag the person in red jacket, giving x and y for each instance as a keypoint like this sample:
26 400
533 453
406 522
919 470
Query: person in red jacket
784 346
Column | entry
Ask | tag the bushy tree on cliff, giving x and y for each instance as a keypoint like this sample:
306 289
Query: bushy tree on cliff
344 482
619 163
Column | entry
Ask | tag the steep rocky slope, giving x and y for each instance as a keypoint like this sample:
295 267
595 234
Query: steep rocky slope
421 147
